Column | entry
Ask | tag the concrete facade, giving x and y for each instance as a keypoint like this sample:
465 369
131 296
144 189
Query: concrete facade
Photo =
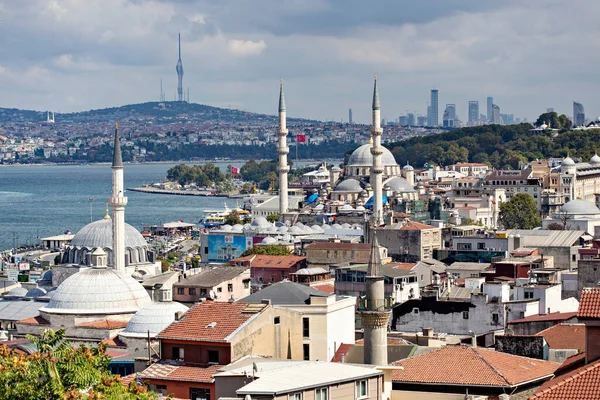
410 245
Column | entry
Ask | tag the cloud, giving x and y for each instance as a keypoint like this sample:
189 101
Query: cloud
243 48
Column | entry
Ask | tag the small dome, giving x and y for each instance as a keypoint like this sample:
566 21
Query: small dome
299 224
336 226
99 234
138 276
34 293
98 291
360 208
153 317
294 230
311 271
269 240
16 293
47 276
316 228
282 229
237 228
362 157
595 160
568 162
400 185
260 222
349 185
272 229
346 226
226 228
408 167
543 126
307 229
579 206
336 169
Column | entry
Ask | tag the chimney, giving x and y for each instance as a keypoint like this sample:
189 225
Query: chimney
473 339
179 315
266 301
428 332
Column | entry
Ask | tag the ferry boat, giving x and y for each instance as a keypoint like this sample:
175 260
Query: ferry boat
216 218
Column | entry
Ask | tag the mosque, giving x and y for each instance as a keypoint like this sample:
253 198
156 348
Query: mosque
96 297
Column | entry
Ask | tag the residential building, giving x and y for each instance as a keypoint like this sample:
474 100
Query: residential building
325 254
410 241
471 169
564 340
327 319
226 283
466 269
160 287
535 323
514 182
425 270
267 269
460 369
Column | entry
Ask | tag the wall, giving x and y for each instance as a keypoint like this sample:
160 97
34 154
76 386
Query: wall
407 395
342 391
180 389
273 275
588 274
531 328
196 352
239 289
402 245
525 346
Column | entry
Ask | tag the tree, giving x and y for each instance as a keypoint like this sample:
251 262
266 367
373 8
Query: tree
469 221
273 218
520 213
555 226
233 218
60 371
269 249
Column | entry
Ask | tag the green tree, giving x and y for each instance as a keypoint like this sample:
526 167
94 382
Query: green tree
233 218
269 249
60 371
520 213
273 218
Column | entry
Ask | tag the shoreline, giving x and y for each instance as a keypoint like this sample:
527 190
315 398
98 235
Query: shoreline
200 193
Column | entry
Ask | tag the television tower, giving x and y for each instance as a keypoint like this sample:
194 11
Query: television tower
179 70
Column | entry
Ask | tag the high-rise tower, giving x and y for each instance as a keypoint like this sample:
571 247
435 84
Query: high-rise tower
377 151
350 116
374 311
118 202
578 114
490 109
434 111
179 69
473 110
283 151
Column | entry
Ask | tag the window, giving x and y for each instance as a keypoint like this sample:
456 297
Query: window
246 284
295 396
306 351
177 353
415 310
495 318
321 394
219 289
206 250
305 327
480 246
192 291
528 294
213 356
465 315
160 389
230 287
203 292
180 290
276 320
361 389
199 394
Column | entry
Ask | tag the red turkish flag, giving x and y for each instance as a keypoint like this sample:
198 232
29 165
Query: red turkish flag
301 138
235 170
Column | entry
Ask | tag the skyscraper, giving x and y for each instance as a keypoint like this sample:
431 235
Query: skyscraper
495 115
578 114
350 116
410 119
179 69
434 111
449 115
490 109
473 111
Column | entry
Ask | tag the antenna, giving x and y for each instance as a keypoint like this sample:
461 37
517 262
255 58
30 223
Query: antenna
179 40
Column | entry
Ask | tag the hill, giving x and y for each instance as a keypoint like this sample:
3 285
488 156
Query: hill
501 147
166 112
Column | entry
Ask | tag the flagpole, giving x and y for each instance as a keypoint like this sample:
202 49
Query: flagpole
296 150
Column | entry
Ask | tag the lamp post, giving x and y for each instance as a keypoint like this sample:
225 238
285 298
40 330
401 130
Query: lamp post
91 199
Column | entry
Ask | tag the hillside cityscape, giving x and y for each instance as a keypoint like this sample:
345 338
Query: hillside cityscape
450 252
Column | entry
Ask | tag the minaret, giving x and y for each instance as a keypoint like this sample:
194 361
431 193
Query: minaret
179 70
374 314
377 151
118 202
283 151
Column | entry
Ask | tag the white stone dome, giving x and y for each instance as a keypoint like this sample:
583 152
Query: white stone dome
568 162
362 157
579 206
260 222
595 159
100 234
98 290
153 317
35 292
408 167
349 185
269 240
400 185
15 293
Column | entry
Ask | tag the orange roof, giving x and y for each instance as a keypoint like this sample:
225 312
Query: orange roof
580 384
211 321
104 324
415 226
565 336
267 261
589 303
34 321
556 316
127 379
114 342
465 365
325 287
402 266
345 347
180 371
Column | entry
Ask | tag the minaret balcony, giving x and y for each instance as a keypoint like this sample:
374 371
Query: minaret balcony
283 132
363 304
284 170
283 151
118 201
376 131
377 151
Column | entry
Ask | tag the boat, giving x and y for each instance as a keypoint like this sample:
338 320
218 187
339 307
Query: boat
216 218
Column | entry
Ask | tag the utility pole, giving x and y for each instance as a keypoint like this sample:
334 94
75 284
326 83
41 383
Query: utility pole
91 199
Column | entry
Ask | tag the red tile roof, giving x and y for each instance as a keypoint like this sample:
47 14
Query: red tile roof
104 324
589 303
267 261
403 266
325 287
127 379
34 321
114 342
565 336
179 371
465 365
557 316
580 384
415 226
345 347
211 321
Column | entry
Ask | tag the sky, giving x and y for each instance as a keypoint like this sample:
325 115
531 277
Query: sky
76 55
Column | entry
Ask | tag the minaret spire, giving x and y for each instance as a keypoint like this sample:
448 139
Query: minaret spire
283 151
375 312
117 202
377 151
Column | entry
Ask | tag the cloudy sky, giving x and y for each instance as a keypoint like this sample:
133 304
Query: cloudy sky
73 55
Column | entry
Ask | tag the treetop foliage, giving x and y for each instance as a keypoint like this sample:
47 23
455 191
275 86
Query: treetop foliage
520 212
269 249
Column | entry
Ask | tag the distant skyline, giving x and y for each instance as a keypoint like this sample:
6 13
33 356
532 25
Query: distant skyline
71 55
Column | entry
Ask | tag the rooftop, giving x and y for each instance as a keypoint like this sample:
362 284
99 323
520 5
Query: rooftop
589 303
180 371
268 261
556 316
158 279
468 266
465 365
212 277
285 292
338 246
211 321
565 336
580 384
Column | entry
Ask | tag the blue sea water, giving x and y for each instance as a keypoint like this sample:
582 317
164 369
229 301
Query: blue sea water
40 201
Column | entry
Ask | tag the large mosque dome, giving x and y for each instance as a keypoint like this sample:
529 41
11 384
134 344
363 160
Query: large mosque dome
98 290
153 317
580 207
362 157
100 234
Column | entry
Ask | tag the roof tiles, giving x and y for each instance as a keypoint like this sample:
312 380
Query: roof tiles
180 371
556 316
268 261
464 365
589 304
565 336
580 384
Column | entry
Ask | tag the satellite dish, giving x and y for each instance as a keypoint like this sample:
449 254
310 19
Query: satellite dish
212 295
